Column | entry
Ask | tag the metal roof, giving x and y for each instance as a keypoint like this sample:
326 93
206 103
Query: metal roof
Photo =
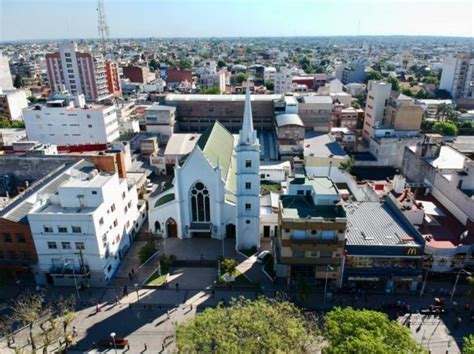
289 119
375 224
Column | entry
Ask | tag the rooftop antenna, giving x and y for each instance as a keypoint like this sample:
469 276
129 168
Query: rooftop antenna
102 26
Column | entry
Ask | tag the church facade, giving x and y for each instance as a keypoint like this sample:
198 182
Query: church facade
216 189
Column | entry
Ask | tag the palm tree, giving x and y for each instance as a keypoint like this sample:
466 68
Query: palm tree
442 111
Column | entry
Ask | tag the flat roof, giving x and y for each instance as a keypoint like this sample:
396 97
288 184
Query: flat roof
449 159
222 98
158 107
302 207
97 181
321 185
323 145
317 99
375 224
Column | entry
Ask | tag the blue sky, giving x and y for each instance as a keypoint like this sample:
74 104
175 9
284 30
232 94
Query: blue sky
50 19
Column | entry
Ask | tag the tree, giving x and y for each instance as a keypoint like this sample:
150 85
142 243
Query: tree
18 82
374 75
229 266
395 83
445 128
48 324
269 85
406 91
241 77
347 164
214 90
364 331
154 65
468 345
5 122
221 63
185 63
421 94
259 326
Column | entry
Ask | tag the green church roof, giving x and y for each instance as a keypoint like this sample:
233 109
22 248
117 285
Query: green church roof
217 144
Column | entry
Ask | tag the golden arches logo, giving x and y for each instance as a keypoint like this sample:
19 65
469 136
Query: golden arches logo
411 251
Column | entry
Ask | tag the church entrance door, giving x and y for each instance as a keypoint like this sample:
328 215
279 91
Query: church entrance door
230 231
171 228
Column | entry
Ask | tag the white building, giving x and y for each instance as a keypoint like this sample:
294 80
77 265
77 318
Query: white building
269 74
215 192
12 103
160 120
457 76
8 136
6 81
69 121
377 99
83 222
284 79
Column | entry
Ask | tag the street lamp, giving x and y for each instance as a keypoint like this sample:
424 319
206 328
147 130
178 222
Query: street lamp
112 335
328 267
456 282
74 276
136 289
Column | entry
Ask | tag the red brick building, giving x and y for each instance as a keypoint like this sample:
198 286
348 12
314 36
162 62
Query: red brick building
138 74
176 75
113 78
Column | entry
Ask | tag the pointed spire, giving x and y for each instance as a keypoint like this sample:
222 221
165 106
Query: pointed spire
247 133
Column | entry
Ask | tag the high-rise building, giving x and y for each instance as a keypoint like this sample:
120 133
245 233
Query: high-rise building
77 72
457 76
6 82
377 98
113 78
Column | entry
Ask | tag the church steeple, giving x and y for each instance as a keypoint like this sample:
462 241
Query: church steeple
247 135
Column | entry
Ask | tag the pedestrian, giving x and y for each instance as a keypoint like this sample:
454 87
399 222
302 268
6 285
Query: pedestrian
177 286
117 300
74 331
130 276
145 347
125 291
133 272
97 308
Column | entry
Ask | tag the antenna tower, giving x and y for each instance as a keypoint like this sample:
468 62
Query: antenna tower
102 26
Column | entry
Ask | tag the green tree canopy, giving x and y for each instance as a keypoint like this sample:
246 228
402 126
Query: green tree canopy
374 75
154 65
445 128
365 331
468 345
260 326
241 77
221 63
395 83
18 82
214 90
269 85
185 63
406 91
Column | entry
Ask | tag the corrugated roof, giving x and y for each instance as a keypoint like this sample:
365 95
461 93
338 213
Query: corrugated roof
375 224
289 119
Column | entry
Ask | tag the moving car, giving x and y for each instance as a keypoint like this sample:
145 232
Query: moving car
263 256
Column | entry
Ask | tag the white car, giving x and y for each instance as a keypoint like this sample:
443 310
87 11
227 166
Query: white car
149 187
262 256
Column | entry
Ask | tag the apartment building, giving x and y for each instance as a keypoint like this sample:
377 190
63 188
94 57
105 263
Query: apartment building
6 81
310 244
402 114
68 120
83 224
12 103
113 78
457 76
290 135
160 120
77 72
315 111
377 98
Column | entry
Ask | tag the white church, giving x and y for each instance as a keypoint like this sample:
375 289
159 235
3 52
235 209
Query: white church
216 189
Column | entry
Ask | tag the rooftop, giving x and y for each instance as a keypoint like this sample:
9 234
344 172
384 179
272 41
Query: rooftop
376 224
233 98
303 207
317 99
181 144
449 159
323 145
321 185
157 107
289 119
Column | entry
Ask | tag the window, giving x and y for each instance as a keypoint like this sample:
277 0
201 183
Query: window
66 245
300 192
112 208
62 229
248 207
101 221
248 163
52 245
76 229
7 237
247 221
109 268
20 238
94 192
248 185
47 229
80 246
200 203
115 222
123 195
325 254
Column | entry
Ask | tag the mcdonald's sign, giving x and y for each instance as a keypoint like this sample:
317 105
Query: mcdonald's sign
411 251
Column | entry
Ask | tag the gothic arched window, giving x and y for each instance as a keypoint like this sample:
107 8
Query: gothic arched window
200 203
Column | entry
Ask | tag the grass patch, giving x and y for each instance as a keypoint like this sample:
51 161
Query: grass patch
267 187
249 252
156 279
240 279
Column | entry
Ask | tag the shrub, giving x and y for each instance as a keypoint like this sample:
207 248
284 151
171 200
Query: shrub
146 252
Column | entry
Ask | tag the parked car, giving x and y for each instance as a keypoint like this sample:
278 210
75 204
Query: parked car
263 256
149 187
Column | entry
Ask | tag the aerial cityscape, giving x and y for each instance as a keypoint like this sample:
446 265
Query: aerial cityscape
237 177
